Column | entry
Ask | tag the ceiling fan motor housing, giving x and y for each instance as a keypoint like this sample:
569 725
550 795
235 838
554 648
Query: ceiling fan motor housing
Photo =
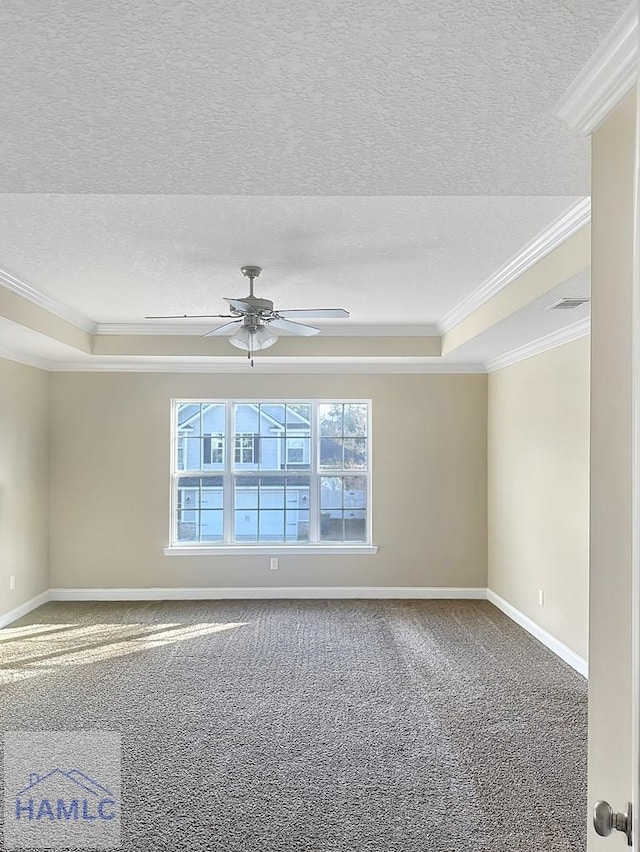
253 305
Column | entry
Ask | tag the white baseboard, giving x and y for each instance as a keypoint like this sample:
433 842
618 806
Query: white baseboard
305 592
267 592
24 609
565 653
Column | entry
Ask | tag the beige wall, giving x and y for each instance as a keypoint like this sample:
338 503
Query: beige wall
611 462
538 489
24 472
110 483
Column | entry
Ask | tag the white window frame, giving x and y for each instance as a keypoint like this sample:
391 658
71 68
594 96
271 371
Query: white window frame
232 469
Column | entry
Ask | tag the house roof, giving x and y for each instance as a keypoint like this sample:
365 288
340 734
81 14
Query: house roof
270 411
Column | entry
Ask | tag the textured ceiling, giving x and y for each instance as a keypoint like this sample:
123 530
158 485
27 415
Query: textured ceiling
370 97
397 260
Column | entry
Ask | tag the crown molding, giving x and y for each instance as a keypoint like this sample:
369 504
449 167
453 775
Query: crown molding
576 217
604 81
198 329
550 341
152 329
401 366
26 291
8 354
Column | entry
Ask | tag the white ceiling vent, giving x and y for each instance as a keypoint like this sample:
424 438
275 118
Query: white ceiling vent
568 304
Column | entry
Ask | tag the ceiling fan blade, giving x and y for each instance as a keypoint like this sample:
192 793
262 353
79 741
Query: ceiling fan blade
237 304
294 327
189 316
227 328
316 312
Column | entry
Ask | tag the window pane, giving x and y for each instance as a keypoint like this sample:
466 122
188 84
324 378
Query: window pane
331 526
211 494
211 525
355 492
355 525
188 450
213 451
271 453
297 508
331 419
188 421
213 419
200 436
295 450
299 417
331 492
343 526
246 418
355 419
271 494
343 502
272 508
271 525
297 526
246 526
187 526
331 453
355 453
247 451
199 504
246 492
298 453
271 419
192 481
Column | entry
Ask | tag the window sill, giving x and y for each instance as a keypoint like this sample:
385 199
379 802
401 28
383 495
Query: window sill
273 550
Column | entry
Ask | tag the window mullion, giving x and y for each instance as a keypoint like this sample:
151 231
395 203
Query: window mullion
174 508
368 512
173 497
314 478
228 479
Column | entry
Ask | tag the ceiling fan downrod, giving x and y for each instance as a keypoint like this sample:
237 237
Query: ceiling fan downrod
251 272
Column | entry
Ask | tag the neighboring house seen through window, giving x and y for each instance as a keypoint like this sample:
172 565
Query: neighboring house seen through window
247 449
212 450
265 472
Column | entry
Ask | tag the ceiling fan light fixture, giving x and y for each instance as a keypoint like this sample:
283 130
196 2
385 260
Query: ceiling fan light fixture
253 338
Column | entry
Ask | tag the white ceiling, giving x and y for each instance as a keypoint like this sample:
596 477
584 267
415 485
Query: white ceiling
385 157
116 259
370 97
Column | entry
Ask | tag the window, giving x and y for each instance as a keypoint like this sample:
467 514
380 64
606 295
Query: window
212 450
246 472
295 451
247 449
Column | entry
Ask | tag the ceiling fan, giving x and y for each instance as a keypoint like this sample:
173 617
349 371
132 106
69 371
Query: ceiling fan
254 319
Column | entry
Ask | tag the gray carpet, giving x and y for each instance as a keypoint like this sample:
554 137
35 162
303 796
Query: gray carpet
360 726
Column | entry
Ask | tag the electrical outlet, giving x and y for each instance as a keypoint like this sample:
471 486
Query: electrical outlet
12 582
274 563
541 597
